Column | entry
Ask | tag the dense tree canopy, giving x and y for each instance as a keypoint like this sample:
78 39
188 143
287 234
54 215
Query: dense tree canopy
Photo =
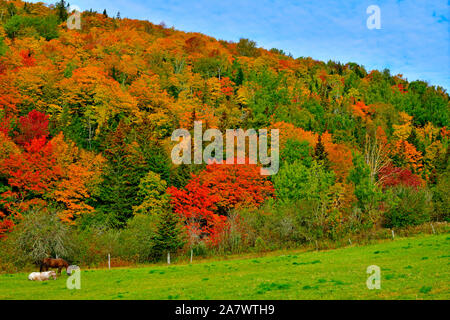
86 118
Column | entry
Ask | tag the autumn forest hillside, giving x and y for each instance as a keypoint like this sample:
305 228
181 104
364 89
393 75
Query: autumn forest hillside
86 118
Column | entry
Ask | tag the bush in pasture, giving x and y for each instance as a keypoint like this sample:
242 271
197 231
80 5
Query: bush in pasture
10 261
440 197
39 235
281 225
91 246
200 249
232 238
260 245
132 244
137 238
408 206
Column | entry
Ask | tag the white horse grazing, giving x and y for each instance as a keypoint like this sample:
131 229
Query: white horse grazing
42 276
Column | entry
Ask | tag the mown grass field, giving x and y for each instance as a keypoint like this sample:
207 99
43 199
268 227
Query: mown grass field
411 268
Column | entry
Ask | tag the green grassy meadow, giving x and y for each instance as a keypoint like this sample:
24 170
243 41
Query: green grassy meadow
411 268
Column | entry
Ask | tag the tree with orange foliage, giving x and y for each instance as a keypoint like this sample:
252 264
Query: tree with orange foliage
289 131
8 108
81 171
339 157
360 109
91 93
45 171
404 153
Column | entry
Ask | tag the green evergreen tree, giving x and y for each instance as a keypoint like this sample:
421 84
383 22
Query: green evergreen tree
3 47
12 10
239 77
320 155
168 236
131 155
415 141
120 180
61 10
26 9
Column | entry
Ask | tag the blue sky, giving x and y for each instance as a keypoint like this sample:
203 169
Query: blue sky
413 39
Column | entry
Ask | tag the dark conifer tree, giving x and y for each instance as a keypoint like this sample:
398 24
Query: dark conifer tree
239 77
120 179
320 155
168 236
61 10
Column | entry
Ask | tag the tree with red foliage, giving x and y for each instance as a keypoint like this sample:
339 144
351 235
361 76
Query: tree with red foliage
236 185
33 125
27 58
31 175
391 176
6 225
226 86
209 196
196 205
33 171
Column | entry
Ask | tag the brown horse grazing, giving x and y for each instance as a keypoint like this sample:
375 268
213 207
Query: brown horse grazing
54 263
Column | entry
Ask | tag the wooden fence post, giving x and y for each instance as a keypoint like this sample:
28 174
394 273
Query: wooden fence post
109 261
168 257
